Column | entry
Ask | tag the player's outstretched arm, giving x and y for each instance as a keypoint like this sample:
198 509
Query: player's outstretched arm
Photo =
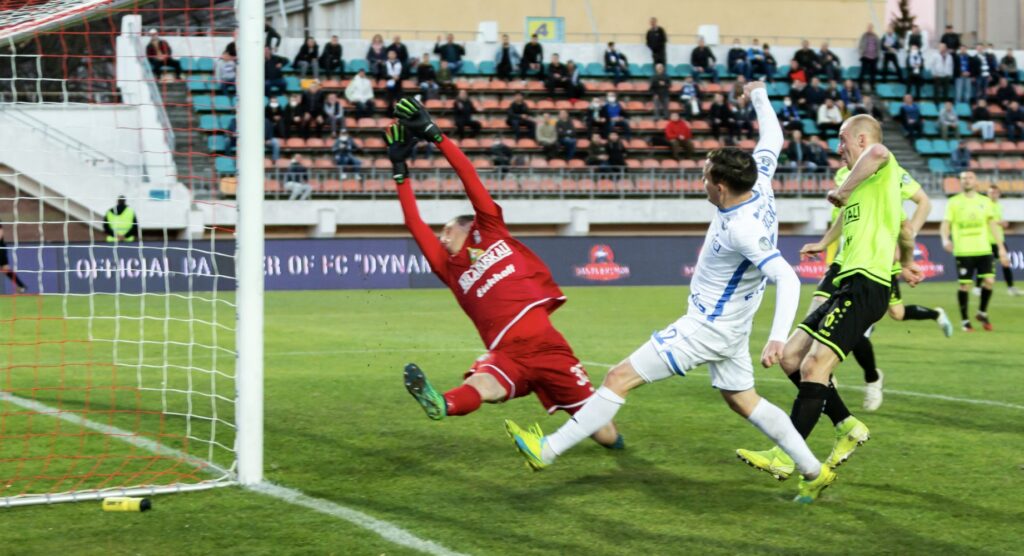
831 236
415 118
770 137
400 146
787 297
875 157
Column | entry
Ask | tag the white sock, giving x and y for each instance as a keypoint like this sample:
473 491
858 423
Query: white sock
599 410
775 424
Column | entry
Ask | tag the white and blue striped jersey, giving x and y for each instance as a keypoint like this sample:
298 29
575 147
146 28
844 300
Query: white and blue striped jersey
728 284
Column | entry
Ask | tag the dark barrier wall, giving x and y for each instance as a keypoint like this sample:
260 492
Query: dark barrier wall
312 264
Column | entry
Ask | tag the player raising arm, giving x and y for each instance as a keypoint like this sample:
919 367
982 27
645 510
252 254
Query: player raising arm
738 257
504 288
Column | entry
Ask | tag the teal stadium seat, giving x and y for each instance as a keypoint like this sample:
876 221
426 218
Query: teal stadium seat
202 103
217 143
924 146
487 67
468 68
681 70
928 109
204 65
294 85
931 128
646 70
223 103
225 165
353 66
593 69
963 109
208 122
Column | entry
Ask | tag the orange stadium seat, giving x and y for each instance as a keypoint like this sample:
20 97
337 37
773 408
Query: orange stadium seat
377 186
557 163
295 143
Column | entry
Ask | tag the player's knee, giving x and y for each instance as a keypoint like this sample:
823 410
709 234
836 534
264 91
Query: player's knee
896 312
989 282
622 378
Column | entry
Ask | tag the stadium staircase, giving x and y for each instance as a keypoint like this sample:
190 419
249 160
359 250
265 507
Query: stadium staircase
902 147
194 162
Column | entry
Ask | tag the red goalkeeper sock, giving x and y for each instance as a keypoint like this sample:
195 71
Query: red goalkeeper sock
462 400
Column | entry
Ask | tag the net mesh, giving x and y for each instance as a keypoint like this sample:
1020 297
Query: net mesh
117 324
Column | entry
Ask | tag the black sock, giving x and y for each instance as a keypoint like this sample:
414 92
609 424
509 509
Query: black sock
865 355
834 406
795 378
807 407
986 295
13 276
917 312
962 298
1008 276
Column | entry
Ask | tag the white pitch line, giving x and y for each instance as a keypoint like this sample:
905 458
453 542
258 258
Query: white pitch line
993 403
384 529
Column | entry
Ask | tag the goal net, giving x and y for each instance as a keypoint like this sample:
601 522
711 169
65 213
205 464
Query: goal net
118 302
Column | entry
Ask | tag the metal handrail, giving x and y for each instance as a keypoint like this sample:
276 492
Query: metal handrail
154 92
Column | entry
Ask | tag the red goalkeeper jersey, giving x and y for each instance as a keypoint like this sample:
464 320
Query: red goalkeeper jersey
496 279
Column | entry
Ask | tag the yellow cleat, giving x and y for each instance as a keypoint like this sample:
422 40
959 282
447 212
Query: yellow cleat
530 443
850 433
808 491
774 461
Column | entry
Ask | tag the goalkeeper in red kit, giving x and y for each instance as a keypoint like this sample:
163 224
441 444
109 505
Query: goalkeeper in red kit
504 288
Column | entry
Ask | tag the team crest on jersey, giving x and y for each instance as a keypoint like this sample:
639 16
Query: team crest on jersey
474 254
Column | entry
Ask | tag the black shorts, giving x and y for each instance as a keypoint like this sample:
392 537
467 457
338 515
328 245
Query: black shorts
826 288
968 267
841 322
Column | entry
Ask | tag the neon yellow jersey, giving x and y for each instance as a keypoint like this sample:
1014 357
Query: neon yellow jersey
968 219
871 222
997 215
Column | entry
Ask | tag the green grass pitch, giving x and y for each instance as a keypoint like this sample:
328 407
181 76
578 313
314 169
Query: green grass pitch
938 477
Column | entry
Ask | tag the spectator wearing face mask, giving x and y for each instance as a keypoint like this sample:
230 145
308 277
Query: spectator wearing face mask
614 116
789 115
344 150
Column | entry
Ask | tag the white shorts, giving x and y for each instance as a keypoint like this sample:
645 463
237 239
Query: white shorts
690 342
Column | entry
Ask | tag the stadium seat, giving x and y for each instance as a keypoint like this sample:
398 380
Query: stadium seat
203 65
217 143
680 70
963 109
199 84
294 85
223 103
225 165
468 68
929 110
202 103
924 146
354 65
208 122
486 67
646 70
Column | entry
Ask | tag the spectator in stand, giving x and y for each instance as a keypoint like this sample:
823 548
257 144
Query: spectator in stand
426 78
547 136
813 96
720 119
689 96
566 134
592 117
296 181
890 52
868 48
703 60
755 57
313 101
230 50
597 155
789 115
830 64
557 75
533 59
844 111
915 71
736 91
308 58
797 89
832 91
660 87
616 150
807 59
575 87
402 53
501 154
967 69
333 113
737 60
850 94
679 136
270 140
1008 66
829 117
982 121
273 38
916 37
464 109
948 120
296 117
1013 120
910 118
818 153
445 78
942 73
518 117
331 60
158 53
344 150
991 62
225 72
615 64
744 116
960 158
359 94
506 59
1005 93
868 107
393 85
798 154
771 67
274 113
657 40
273 73
984 73
450 52
950 39
797 72
614 116
377 57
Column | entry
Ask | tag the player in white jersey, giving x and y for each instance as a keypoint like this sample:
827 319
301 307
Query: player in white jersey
738 258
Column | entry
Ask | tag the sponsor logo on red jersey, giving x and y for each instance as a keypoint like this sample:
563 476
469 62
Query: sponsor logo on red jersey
497 251
602 266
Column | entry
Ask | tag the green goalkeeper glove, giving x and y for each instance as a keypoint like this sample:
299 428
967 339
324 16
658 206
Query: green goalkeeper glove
400 145
415 118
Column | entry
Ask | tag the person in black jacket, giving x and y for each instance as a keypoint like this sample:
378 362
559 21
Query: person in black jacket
273 73
950 39
616 151
533 59
657 41
737 60
807 58
450 52
464 109
720 119
660 87
377 58
274 113
308 57
426 77
557 75
273 37
331 61
703 61
1005 93
403 55
518 117
615 64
